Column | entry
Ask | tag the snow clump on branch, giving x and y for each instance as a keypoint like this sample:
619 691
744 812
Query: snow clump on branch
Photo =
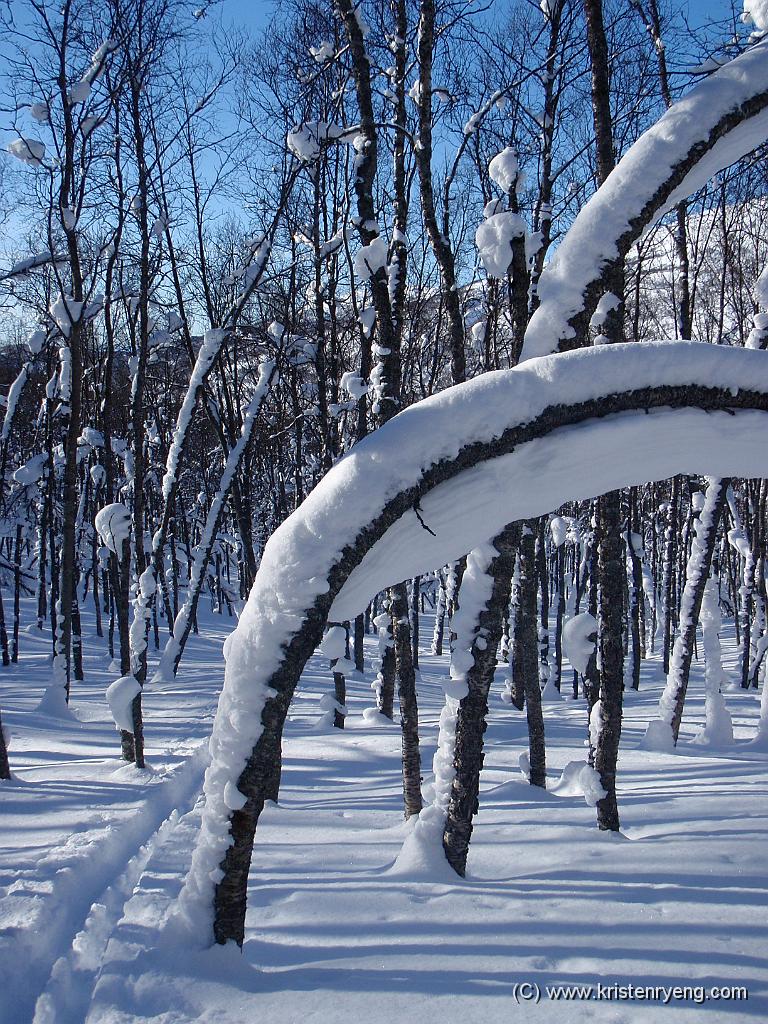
756 12
371 258
504 169
120 696
494 238
323 52
29 151
579 640
113 525
305 141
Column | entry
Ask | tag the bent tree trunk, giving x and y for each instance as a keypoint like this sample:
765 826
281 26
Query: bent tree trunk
273 640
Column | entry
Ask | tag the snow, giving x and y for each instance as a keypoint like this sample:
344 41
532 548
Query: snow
32 470
591 239
756 12
739 541
591 787
353 384
591 459
65 311
718 725
233 798
92 437
79 92
142 600
595 723
558 527
35 341
350 919
476 589
14 393
120 695
334 643
577 646
494 238
659 737
322 52
100 54
113 525
305 141
504 169
371 258
65 373
29 151
422 854
40 259
608 301
39 111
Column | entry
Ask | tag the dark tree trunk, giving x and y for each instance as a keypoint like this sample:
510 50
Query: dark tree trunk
414 618
473 710
340 693
6 658
121 573
16 593
5 768
610 568
560 614
526 672
359 646
524 633
440 608
611 575
409 712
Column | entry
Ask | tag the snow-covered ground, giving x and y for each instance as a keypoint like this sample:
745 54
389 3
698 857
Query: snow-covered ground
94 853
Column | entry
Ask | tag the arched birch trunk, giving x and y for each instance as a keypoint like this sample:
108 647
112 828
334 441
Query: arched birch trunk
549 412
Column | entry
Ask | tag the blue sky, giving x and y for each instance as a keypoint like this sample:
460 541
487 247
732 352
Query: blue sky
255 13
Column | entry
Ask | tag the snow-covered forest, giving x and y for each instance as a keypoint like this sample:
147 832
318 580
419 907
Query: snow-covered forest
383 510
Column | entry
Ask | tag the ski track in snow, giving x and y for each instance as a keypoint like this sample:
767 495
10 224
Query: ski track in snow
66 995
62 902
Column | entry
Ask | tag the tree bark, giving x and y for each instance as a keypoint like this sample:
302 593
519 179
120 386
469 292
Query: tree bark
473 709
409 712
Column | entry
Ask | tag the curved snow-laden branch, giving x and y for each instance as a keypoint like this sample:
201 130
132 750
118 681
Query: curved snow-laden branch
174 647
507 445
718 122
